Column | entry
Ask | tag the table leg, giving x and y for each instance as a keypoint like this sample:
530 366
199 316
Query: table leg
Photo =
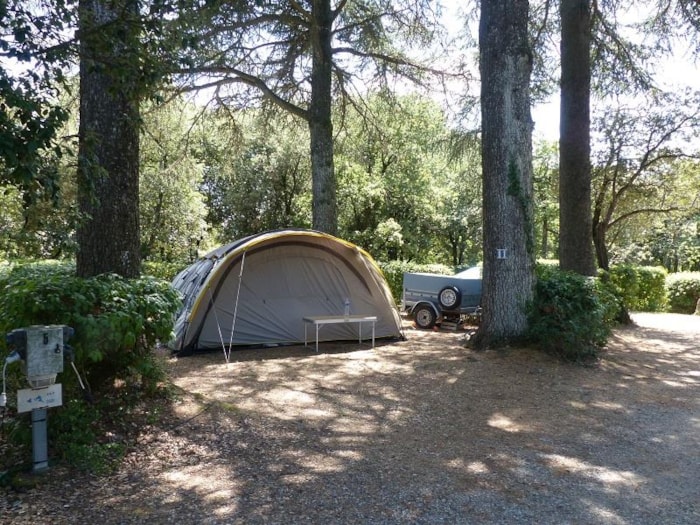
317 327
373 323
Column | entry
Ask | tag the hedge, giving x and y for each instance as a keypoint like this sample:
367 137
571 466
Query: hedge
683 291
642 288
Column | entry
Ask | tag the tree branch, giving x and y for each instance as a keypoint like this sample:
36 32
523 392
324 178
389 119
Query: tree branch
250 80
397 61
338 9
627 215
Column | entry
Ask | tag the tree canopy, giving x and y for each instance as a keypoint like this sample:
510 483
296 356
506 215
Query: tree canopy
34 59
300 56
238 156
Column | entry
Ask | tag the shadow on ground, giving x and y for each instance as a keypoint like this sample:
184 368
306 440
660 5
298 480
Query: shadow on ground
422 431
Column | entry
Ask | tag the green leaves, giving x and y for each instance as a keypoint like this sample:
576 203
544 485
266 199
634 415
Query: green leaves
642 288
567 317
400 193
117 321
683 291
34 56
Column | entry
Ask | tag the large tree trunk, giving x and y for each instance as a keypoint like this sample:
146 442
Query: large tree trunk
575 231
325 213
508 275
108 165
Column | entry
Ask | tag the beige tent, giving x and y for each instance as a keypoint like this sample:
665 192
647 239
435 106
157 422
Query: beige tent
257 290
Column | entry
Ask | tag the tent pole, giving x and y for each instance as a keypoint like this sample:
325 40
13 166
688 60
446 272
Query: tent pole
235 308
218 325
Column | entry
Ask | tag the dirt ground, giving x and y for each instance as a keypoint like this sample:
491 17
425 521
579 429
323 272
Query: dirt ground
415 431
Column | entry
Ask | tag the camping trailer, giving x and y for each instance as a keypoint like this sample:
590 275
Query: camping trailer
257 291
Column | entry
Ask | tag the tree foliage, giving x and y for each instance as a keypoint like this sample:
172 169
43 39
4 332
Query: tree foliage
34 56
639 155
401 195
546 199
256 177
398 192
172 211
300 56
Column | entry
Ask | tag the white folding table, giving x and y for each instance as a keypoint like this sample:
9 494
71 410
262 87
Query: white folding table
320 320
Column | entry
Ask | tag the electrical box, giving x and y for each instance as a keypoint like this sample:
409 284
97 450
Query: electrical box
41 349
44 354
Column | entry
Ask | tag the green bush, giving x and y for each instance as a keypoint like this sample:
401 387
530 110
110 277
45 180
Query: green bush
567 317
117 321
612 300
76 435
162 270
393 273
683 291
642 287
117 324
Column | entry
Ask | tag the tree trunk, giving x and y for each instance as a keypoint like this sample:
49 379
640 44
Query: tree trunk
575 231
601 249
325 212
508 274
108 165
545 239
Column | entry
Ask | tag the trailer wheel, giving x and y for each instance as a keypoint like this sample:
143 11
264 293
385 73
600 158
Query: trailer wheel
424 316
450 297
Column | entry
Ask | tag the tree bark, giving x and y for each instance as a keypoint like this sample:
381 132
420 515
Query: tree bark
508 274
575 227
325 210
545 239
601 249
108 165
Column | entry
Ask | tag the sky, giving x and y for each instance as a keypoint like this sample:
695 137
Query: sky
678 72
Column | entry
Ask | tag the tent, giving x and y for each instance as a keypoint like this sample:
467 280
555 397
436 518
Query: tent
257 290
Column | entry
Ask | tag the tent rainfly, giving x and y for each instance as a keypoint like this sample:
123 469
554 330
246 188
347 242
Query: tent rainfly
257 290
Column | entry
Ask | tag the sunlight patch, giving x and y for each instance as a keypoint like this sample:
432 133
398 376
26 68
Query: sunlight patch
477 467
676 384
609 406
606 516
206 482
321 463
608 476
503 422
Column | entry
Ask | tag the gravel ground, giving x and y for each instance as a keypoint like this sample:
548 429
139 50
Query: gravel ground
421 431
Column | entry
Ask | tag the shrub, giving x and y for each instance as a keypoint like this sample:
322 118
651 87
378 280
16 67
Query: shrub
162 270
75 436
611 300
567 317
642 287
117 321
117 324
683 290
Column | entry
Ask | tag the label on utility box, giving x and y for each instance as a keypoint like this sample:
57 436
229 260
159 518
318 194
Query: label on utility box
30 399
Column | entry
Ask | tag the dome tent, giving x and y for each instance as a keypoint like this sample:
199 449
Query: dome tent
258 289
